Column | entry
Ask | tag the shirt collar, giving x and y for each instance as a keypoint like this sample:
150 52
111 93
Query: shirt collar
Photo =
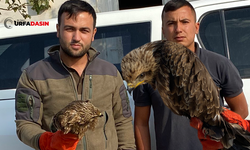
197 50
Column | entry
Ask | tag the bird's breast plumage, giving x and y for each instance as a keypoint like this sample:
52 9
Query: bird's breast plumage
77 117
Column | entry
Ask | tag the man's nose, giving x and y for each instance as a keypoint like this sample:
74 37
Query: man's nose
178 27
76 36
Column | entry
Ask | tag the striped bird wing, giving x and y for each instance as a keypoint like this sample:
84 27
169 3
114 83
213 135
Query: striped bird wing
184 83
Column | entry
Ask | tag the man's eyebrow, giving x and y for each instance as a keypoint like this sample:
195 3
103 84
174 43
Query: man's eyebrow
185 19
85 28
68 26
171 20
81 28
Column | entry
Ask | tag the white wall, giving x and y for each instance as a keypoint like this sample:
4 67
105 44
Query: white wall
99 6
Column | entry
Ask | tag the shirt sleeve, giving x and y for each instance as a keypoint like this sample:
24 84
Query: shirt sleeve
28 112
231 83
142 95
123 116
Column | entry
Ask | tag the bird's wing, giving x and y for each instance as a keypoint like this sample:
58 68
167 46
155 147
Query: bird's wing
184 83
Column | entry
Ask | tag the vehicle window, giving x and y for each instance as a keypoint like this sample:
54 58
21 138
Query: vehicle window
210 33
227 32
113 42
18 53
238 34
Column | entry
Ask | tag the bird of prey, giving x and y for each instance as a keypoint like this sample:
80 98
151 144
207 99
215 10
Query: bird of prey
184 84
77 117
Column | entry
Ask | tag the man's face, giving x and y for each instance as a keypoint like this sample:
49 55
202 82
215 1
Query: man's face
180 26
76 34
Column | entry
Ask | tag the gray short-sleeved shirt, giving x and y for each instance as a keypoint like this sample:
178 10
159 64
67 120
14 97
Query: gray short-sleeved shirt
222 71
174 132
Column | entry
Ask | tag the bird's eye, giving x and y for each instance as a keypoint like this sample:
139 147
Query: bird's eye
142 75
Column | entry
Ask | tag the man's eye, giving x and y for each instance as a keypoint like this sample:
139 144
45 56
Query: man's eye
185 21
68 29
85 31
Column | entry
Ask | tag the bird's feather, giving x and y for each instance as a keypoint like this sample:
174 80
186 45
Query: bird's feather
183 82
77 117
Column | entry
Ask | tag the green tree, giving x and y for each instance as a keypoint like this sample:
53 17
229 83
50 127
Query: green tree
36 5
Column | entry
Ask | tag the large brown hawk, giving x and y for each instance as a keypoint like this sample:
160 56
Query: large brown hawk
77 117
184 84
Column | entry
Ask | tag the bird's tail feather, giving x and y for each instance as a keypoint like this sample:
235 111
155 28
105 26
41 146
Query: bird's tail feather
242 137
231 135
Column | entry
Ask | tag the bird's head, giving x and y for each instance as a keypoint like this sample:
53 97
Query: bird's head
139 66
96 112
93 112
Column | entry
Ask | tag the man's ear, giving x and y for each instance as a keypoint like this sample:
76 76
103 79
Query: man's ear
197 26
93 36
162 33
58 30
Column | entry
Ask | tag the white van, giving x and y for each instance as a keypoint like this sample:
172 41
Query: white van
224 28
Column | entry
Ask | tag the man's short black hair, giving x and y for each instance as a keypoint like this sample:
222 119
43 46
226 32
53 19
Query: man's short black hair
173 5
73 7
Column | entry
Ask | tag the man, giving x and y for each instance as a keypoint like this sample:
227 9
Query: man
172 131
73 72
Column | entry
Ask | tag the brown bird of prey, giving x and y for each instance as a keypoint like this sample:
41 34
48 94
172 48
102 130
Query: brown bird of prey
184 84
77 117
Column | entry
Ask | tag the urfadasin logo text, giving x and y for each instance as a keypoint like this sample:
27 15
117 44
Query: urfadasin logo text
9 23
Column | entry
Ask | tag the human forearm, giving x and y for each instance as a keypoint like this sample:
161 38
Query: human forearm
28 112
29 133
141 126
142 137
238 104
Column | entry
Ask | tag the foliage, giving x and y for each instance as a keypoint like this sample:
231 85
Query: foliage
40 5
36 5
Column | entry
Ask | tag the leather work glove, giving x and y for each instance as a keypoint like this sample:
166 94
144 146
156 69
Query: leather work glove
206 142
58 141
232 117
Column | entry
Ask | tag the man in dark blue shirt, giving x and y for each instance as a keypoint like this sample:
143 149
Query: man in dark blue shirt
174 132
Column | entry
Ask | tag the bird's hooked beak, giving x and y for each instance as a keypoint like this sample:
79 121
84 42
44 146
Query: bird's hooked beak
130 89
100 115
131 86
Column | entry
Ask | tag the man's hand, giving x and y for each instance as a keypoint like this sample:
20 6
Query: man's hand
232 117
206 142
58 141
229 116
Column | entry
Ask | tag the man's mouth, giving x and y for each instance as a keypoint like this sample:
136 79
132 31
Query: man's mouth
179 38
76 46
